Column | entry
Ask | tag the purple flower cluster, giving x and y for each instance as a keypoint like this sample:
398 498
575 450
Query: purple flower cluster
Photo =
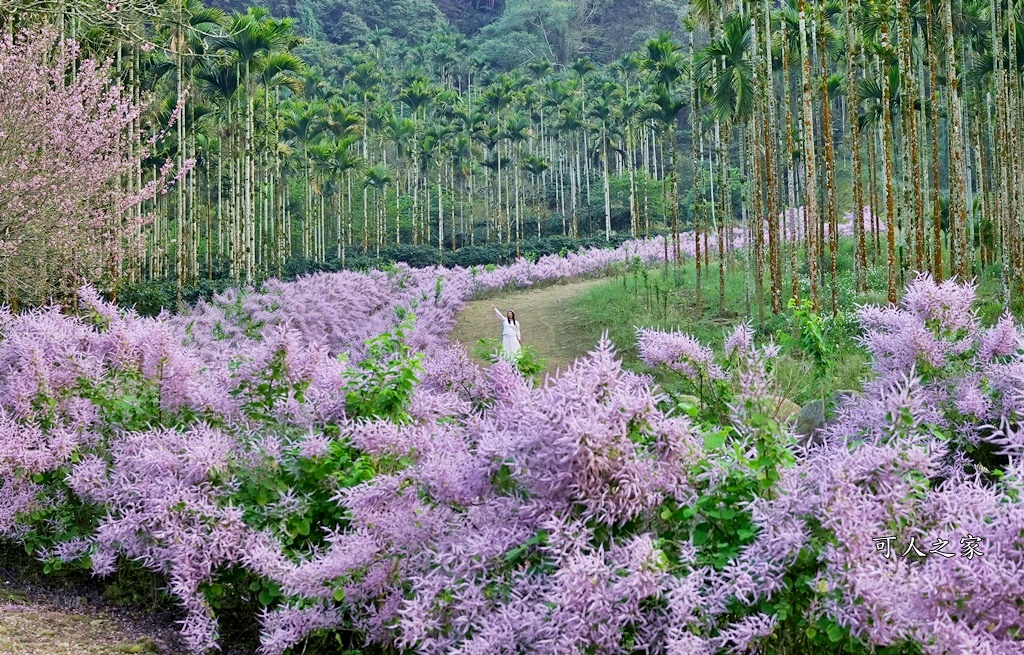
679 352
503 517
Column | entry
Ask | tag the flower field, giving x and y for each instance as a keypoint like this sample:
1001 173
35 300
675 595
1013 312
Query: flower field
322 446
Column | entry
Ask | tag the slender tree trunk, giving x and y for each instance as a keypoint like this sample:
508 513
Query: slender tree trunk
830 174
957 172
851 9
933 77
811 196
790 181
696 142
770 137
723 193
890 204
913 207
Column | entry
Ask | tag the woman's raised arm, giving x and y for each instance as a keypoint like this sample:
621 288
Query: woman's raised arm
497 312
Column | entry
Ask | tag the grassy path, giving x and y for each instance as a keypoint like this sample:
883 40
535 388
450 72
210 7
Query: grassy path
35 627
550 322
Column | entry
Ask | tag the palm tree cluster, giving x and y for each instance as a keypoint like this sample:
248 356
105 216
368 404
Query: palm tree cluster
911 108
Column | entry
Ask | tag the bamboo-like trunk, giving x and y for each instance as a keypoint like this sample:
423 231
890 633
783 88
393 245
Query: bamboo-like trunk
830 174
957 172
912 169
811 196
696 141
769 128
607 186
890 203
853 118
933 82
723 192
790 181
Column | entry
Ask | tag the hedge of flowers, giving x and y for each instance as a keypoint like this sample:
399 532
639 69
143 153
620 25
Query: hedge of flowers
322 446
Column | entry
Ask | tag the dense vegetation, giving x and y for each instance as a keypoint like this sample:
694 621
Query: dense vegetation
320 455
750 110
306 462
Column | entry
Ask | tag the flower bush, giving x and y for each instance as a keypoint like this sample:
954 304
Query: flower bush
321 446
65 215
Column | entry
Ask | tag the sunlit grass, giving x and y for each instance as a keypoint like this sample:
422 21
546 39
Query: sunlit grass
654 297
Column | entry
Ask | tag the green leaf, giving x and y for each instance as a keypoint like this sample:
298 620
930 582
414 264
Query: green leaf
339 595
835 633
714 440
514 553
267 596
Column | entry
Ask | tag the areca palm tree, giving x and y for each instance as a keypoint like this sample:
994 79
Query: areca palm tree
726 70
604 111
416 96
666 67
880 96
535 166
810 164
282 73
957 172
853 49
516 131
399 132
377 177
664 107
334 161
304 121
249 39
184 21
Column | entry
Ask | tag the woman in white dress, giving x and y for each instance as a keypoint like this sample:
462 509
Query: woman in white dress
511 337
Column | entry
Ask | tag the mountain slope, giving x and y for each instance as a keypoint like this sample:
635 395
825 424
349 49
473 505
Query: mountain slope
508 31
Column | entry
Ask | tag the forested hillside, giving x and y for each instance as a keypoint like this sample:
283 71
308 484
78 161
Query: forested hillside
790 126
509 33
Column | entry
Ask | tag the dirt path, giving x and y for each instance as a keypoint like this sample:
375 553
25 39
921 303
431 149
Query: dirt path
549 321
34 628
37 620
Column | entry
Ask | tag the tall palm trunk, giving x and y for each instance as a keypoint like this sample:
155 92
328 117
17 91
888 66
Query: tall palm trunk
1013 142
890 203
673 177
179 205
723 190
933 127
810 173
607 185
913 206
957 172
696 140
830 172
790 181
770 136
853 118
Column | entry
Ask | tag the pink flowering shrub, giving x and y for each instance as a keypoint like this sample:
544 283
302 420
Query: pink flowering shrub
342 466
65 217
879 536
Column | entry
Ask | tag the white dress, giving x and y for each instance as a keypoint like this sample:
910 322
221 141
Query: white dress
510 336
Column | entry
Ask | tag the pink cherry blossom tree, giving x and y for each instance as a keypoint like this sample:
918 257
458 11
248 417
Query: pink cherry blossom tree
68 213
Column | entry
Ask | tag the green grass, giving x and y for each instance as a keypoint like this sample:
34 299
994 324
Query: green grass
652 297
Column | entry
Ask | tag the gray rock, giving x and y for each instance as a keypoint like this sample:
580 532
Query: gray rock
809 421
785 409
